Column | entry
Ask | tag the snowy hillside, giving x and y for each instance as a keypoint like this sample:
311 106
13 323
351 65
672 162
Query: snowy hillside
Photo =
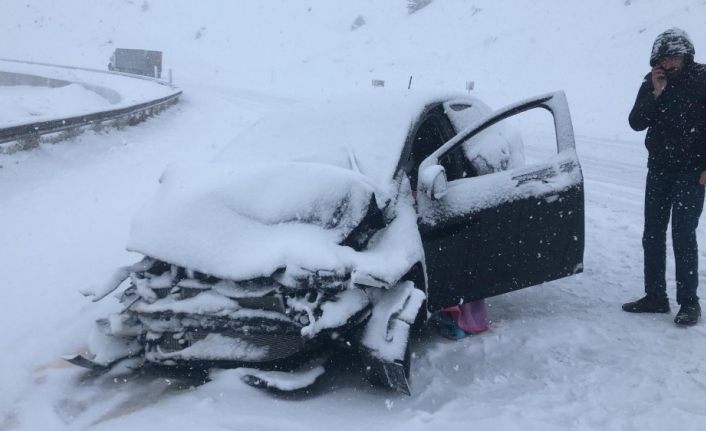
597 51
561 356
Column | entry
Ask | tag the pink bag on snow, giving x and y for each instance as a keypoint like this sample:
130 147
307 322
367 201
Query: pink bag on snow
470 316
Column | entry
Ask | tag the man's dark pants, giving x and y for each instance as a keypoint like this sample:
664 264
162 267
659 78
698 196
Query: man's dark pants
683 196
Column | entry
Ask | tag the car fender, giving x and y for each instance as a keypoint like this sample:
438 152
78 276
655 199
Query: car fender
394 310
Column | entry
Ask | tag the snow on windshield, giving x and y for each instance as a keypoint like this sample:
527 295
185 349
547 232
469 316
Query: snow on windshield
370 128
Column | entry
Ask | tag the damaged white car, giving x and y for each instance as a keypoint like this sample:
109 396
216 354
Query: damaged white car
340 225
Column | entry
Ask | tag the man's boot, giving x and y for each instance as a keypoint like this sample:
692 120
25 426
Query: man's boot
647 304
688 314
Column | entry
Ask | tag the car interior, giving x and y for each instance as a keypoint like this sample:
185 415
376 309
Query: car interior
432 133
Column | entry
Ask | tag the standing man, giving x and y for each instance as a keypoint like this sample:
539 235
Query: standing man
671 105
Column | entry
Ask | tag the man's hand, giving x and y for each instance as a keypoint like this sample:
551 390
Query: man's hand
702 179
659 81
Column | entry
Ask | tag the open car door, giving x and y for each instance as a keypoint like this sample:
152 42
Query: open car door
506 230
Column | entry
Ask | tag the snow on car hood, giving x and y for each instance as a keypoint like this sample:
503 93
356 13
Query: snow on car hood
242 222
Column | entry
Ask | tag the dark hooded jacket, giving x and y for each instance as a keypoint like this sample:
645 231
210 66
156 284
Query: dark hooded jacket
676 120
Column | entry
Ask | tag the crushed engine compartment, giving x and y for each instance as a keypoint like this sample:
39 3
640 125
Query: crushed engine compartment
176 317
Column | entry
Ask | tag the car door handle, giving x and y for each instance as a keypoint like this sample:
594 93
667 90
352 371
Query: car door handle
542 175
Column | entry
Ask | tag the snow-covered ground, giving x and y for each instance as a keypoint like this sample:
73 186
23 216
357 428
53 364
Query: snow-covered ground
560 356
26 104
72 92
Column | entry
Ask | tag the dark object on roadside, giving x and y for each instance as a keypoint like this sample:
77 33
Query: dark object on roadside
647 304
415 5
137 62
688 315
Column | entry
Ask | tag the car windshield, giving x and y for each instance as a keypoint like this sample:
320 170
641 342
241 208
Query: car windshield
374 125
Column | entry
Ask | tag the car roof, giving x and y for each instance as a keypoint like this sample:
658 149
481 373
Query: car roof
366 132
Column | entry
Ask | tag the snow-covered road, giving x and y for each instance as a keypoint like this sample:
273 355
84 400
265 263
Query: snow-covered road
560 356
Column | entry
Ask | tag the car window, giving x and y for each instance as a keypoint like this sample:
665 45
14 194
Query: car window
525 139
498 148
431 134
456 165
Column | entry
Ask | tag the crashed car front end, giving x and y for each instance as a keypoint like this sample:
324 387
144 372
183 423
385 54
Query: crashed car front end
181 316
173 318
285 321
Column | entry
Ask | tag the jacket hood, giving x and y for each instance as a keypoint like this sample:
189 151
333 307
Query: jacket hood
674 41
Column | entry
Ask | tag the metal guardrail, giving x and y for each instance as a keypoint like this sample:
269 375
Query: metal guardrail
29 134
88 69
15 133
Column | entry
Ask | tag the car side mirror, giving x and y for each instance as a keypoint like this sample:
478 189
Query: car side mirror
433 182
